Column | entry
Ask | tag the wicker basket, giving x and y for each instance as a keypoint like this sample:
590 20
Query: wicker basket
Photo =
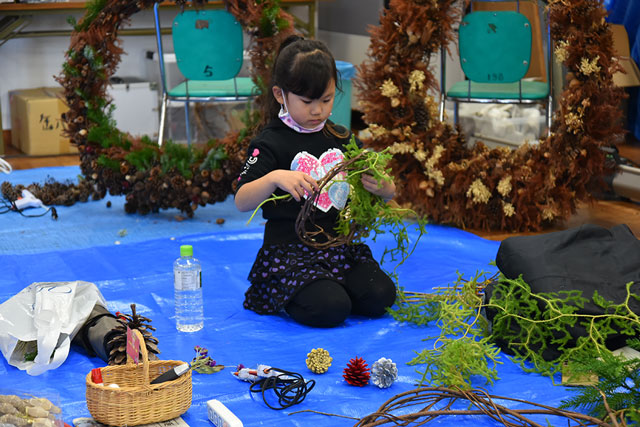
137 402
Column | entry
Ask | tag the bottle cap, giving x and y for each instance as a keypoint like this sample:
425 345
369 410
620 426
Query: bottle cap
186 250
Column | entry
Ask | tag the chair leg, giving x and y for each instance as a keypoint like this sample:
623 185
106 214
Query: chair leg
186 122
456 112
549 114
163 115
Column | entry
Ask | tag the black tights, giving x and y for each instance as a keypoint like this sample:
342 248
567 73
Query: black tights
324 303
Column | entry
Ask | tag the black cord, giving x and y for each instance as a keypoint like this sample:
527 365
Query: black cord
290 387
4 206
10 206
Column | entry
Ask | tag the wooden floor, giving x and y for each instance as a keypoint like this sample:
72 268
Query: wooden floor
602 212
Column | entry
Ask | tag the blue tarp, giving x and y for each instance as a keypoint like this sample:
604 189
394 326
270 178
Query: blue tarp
81 245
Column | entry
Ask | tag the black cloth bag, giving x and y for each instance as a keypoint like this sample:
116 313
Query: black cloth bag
584 258
97 331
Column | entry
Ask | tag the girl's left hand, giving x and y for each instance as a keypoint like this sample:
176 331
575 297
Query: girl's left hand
383 188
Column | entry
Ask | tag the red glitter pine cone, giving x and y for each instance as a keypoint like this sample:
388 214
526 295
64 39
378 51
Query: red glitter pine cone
357 372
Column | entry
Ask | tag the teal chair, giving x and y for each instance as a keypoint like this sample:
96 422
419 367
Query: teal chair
208 45
495 54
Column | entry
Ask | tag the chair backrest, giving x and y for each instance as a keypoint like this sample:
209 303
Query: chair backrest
208 44
534 11
495 47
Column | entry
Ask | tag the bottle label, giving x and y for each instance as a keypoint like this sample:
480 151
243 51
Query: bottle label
188 280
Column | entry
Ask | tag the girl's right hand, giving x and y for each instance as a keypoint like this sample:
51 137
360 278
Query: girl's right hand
295 183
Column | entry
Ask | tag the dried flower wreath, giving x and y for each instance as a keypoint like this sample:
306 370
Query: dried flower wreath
499 189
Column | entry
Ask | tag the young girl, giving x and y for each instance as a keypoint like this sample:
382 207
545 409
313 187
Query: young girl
297 147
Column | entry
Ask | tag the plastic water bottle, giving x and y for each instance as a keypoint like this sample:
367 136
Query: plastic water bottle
187 280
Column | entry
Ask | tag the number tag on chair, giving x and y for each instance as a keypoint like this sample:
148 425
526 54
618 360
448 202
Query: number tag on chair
201 24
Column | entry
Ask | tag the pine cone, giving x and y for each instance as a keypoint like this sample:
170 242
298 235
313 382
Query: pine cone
357 372
399 112
384 372
118 345
421 116
318 360
9 191
494 208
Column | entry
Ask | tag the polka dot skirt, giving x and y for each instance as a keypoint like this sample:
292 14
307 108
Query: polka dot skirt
281 270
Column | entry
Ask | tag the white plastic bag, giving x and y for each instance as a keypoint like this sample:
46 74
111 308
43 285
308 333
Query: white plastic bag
44 317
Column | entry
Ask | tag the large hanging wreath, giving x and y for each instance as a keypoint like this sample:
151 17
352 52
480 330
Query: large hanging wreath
152 177
497 189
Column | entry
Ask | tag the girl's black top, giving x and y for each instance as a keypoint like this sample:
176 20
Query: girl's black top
276 147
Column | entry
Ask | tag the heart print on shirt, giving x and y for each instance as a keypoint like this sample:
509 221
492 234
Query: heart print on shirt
336 192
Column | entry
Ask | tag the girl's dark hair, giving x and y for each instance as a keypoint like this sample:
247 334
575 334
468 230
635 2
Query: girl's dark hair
303 67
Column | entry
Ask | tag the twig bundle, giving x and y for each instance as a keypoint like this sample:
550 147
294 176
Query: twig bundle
441 401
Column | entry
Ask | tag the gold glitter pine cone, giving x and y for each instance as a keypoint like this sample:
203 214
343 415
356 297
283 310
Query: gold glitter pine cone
318 360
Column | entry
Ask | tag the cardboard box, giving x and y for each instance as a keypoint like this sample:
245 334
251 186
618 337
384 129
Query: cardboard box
621 47
36 121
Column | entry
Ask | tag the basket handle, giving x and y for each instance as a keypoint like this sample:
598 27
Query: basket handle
145 356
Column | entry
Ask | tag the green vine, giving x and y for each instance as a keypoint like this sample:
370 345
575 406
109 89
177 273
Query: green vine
463 349
369 211
529 322
273 199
